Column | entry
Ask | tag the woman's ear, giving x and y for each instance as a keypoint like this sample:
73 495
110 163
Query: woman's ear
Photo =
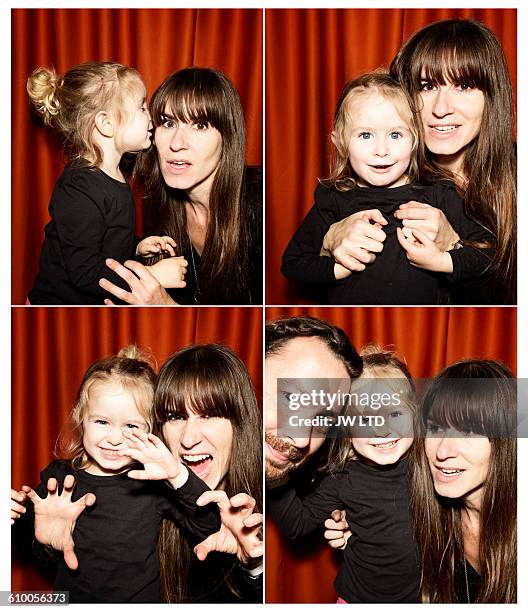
104 123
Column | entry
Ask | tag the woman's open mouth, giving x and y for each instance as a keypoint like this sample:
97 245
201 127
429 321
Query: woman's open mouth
178 167
444 474
199 463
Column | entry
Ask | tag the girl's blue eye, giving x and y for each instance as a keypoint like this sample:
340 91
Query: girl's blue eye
131 426
365 135
101 422
395 414
395 135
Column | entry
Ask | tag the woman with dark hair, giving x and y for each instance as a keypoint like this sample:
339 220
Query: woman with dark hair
457 73
200 192
464 485
207 414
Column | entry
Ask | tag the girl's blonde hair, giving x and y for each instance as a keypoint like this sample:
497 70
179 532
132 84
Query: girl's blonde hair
342 176
133 370
70 103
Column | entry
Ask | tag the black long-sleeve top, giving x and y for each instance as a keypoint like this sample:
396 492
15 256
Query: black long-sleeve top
390 279
93 217
381 560
116 539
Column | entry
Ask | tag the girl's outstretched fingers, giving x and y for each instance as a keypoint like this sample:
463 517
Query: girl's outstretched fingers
17 509
253 520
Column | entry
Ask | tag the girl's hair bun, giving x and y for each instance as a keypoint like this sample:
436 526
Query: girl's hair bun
42 88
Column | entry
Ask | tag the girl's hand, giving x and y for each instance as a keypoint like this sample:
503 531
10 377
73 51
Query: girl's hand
353 241
144 287
170 272
422 252
241 530
56 515
17 499
430 221
158 462
337 531
155 244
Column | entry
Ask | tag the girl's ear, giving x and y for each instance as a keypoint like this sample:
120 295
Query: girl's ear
104 123
333 138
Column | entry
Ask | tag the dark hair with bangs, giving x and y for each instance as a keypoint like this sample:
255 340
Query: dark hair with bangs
458 398
209 380
467 52
206 95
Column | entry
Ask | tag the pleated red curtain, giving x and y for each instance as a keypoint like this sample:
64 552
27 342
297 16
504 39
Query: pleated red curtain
53 347
429 339
310 54
155 41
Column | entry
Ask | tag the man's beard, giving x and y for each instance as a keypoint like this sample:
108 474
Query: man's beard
295 458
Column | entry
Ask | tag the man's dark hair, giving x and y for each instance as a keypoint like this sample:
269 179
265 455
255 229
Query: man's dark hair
281 331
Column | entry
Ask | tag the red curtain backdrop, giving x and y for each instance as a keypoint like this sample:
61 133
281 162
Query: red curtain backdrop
310 54
53 347
429 339
155 41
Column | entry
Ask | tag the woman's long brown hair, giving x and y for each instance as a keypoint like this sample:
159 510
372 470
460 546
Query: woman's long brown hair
466 51
211 380
206 95
455 401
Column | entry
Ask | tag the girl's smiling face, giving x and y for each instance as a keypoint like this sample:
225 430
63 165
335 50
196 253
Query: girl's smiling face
201 443
381 142
110 410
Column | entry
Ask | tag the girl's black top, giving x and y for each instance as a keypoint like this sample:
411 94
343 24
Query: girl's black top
390 279
381 559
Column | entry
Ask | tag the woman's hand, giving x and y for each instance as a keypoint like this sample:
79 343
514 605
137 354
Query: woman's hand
241 530
155 244
337 531
429 220
353 241
17 499
158 462
56 515
144 287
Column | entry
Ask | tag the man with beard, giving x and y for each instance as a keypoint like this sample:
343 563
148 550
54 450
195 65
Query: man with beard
300 348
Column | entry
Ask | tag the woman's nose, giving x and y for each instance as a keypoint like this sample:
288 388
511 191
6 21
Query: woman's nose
179 139
191 434
446 448
442 103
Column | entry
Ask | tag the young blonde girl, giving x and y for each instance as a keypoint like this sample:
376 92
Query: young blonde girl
99 109
94 508
378 164
367 478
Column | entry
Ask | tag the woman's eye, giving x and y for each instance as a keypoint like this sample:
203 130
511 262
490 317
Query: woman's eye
433 429
144 109
395 135
464 86
175 417
426 86
365 135
168 123
201 125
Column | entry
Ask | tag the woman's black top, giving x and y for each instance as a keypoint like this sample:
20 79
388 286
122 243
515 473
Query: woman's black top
195 292
380 561
390 279
467 582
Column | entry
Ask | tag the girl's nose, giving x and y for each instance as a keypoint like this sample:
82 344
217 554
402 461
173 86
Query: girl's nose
380 148
115 437
442 104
